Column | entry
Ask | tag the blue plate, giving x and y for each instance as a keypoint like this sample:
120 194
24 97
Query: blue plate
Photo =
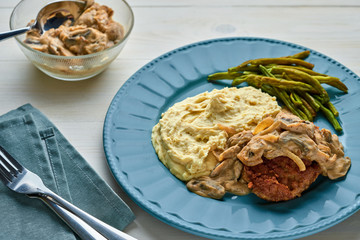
181 73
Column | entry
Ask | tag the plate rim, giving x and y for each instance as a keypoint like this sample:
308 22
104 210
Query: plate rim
146 205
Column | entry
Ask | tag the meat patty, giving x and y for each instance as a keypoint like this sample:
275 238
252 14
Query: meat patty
280 179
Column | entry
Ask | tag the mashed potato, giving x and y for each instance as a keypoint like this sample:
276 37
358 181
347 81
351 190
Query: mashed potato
190 131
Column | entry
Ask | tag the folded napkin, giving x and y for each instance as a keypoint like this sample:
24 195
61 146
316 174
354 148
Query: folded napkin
35 142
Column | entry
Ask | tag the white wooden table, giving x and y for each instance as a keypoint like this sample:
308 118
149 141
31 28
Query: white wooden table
78 109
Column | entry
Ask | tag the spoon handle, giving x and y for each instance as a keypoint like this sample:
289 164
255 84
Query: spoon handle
5 35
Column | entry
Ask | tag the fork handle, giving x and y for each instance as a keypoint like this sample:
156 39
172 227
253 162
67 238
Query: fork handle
82 229
104 229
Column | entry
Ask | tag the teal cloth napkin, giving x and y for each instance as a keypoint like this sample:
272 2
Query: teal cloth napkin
34 141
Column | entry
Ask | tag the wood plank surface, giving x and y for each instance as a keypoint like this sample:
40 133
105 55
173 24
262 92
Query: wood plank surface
200 3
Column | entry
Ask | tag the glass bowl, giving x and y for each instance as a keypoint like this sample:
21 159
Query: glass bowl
75 67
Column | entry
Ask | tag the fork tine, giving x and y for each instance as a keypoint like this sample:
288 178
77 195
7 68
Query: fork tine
6 167
5 176
9 162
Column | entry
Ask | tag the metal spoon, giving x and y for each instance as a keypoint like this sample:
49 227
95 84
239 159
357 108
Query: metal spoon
50 16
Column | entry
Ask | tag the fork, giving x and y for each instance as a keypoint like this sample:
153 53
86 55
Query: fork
82 229
21 180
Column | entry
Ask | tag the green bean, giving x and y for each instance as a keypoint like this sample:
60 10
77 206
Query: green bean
330 116
300 55
332 109
238 80
303 116
295 99
280 83
222 75
285 76
269 89
265 71
307 112
307 105
252 84
292 81
286 100
300 105
310 100
306 77
245 68
332 81
278 61
308 71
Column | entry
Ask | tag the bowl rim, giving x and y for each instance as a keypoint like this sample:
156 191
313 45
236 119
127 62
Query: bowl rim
124 39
